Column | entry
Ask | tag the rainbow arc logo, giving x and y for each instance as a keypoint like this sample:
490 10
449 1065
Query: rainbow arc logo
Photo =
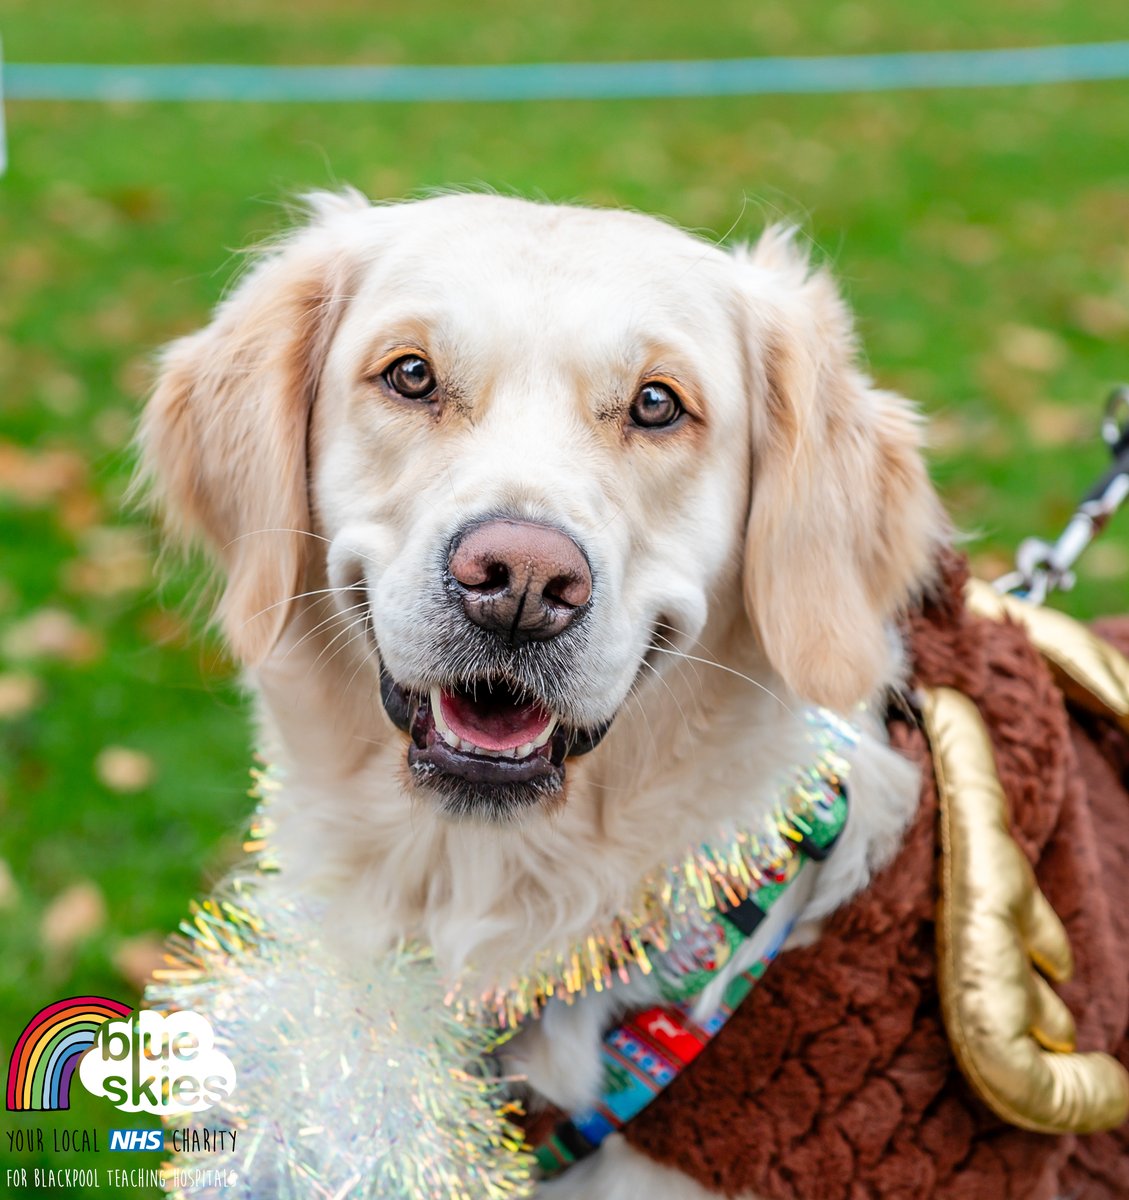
48 1051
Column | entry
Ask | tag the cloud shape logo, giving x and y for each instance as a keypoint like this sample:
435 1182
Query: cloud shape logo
158 1064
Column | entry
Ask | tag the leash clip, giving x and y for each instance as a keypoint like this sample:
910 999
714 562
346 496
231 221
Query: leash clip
1043 566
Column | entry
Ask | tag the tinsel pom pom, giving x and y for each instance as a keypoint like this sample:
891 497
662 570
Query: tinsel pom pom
354 1080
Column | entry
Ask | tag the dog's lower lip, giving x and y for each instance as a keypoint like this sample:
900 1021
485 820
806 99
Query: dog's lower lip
551 744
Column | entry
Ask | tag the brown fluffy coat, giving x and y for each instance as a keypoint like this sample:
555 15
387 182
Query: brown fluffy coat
834 1080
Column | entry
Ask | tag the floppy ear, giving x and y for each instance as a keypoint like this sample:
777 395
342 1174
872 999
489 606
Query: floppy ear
844 525
223 438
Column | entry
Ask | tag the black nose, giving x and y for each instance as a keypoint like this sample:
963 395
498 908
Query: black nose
523 581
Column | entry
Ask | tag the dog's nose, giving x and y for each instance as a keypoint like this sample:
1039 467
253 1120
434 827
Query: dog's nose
523 581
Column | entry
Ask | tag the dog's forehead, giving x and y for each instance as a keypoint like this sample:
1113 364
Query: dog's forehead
470 255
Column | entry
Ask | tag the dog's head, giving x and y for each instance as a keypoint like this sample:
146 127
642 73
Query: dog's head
533 451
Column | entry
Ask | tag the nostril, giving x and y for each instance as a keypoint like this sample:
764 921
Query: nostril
479 572
571 591
496 575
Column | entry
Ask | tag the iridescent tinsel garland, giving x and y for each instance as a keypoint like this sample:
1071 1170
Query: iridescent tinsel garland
358 1080
676 898
353 1080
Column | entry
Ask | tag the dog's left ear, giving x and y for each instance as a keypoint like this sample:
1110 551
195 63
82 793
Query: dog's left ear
844 525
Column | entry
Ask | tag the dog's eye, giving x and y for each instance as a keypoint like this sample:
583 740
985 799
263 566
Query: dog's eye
655 406
411 377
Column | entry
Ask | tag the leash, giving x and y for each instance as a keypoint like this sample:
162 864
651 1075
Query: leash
1040 566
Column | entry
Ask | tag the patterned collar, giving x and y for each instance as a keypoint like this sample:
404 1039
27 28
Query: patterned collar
645 1053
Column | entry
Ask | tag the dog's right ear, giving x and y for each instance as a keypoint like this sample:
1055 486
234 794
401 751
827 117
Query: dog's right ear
223 438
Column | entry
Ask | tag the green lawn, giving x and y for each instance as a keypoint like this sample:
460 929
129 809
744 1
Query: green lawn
981 235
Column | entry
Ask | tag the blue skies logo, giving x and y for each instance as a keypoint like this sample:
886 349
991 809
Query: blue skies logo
167 1065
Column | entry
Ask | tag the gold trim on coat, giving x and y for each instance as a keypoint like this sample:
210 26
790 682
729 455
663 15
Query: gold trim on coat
998 942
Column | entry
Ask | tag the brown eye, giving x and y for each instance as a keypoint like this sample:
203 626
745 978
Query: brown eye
655 406
411 377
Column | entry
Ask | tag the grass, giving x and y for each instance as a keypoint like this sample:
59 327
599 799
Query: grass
980 236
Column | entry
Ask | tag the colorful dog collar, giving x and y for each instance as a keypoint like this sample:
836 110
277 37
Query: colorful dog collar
645 1053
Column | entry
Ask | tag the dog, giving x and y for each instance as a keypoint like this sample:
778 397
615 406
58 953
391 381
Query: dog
539 527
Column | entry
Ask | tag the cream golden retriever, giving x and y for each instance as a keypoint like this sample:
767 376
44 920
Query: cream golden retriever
539 525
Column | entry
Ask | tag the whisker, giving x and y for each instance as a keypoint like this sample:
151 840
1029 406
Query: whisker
298 596
352 629
343 647
682 634
673 694
728 670
693 642
674 647
368 656
300 532
321 625
279 529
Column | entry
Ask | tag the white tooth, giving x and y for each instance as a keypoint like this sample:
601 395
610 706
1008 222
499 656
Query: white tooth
511 753
545 734
467 747
437 712
523 750
450 738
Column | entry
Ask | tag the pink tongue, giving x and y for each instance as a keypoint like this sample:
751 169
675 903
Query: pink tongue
493 725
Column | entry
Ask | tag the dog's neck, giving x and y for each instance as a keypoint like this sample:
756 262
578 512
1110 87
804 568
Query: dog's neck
691 750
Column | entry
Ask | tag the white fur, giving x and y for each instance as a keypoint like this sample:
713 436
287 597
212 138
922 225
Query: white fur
545 321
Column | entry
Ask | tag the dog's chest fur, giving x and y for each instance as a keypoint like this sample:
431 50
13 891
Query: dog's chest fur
491 898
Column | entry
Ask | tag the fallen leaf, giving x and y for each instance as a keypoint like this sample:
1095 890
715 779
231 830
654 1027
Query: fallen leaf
72 207
113 427
140 203
1032 349
135 959
116 323
1100 316
115 560
124 770
51 633
60 391
135 376
166 628
79 510
75 913
19 694
1058 424
37 477
9 891
26 264
972 245
947 432
1005 387
959 432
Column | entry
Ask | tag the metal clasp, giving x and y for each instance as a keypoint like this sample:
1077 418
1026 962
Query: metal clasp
1044 566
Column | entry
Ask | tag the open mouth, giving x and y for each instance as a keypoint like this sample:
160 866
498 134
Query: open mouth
485 745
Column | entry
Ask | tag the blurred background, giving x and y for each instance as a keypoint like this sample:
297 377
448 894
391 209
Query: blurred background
981 235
